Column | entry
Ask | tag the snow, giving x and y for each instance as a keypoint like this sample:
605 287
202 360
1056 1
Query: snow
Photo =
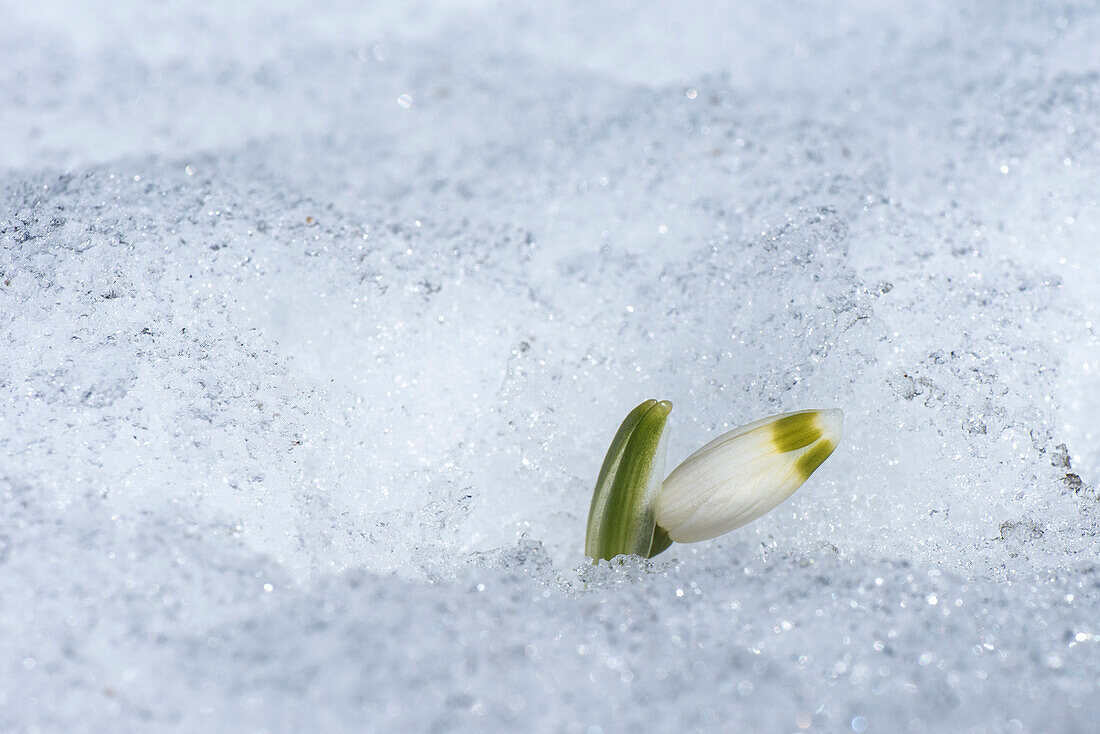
317 319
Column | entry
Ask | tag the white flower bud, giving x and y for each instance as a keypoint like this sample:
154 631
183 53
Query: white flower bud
745 473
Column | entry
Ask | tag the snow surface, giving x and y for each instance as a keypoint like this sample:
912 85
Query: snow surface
317 318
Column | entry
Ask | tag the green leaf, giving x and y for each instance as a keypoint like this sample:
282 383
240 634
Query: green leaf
621 517
607 475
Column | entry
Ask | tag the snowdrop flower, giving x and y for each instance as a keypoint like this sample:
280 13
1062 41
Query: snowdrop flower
728 483
745 473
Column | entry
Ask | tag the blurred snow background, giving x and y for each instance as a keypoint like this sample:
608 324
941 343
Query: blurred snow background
317 318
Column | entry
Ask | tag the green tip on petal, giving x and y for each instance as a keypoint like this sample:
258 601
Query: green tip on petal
815 457
795 431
